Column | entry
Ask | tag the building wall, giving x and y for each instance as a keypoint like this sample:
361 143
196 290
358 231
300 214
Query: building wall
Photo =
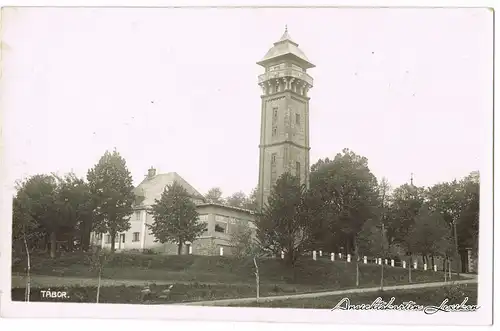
209 242
284 140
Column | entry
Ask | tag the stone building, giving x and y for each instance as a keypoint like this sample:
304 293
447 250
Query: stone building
221 221
284 134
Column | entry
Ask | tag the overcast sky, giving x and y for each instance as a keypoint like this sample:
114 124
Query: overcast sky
177 89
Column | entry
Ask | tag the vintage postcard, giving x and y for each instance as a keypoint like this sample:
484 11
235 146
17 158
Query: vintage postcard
220 163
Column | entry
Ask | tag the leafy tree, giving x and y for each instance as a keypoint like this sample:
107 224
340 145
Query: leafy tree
404 204
214 195
75 206
238 199
468 223
430 235
251 201
175 217
35 205
243 241
111 188
449 200
287 220
372 240
349 194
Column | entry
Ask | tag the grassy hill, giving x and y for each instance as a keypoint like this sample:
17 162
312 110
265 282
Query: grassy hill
308 275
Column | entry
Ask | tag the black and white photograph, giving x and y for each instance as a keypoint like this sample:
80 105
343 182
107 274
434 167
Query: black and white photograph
210 162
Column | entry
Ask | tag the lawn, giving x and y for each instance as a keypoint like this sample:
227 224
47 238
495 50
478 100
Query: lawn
430 296
235 276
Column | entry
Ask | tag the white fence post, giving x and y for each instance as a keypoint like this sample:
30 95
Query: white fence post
314 255
340 256
320 253
415 265
435 267
190 249
404 264
392 262
348 257
425 266
365 260
332 257
282 255
385 261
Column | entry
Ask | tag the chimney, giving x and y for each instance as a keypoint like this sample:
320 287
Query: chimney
151 172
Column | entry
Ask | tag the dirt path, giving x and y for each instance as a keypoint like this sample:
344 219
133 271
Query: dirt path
227 302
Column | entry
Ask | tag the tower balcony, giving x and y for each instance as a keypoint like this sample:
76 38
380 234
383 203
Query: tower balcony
286 72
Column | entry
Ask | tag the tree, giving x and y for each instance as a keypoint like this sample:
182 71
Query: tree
97 261
214 195
175 217
35 204
286 222
111 188
372 240
404 204
349 194
468 222
238 199
243 241
251 201
74 205
430 235
449 200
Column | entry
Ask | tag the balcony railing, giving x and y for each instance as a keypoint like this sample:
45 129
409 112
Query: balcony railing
287 72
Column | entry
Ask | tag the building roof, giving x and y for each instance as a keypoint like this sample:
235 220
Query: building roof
227 207
286 47
152 188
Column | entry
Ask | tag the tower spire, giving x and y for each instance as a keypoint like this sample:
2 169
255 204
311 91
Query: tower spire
411 179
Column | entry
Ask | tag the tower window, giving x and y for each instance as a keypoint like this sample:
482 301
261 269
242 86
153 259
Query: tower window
297 119
275 112
273 158
274 131
297 170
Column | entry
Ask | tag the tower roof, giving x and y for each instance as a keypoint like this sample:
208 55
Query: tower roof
286 47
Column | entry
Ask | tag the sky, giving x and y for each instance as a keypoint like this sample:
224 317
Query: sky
176 89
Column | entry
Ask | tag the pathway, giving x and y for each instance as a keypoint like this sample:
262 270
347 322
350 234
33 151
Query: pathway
227 302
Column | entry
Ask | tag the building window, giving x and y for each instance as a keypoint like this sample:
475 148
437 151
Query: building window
204 220
297 170
297 119
275 113
108 239
275 131
123 237
137 215
221 223
273 158
135 237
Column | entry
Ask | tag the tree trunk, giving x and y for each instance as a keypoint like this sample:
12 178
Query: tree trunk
257 281
432 260
28 269
409 269
444 268
357 272
53 243
113 236
98 287
179 248
382 277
